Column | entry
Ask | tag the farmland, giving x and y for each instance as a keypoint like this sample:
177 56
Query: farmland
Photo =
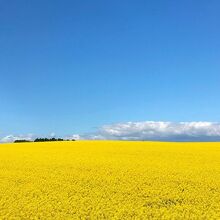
110 180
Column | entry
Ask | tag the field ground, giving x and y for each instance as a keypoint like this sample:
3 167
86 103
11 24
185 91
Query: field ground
110 180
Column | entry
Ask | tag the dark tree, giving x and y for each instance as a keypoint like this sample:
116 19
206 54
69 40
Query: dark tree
21 141
47 139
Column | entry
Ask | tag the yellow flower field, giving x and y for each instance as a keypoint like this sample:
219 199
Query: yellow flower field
110 180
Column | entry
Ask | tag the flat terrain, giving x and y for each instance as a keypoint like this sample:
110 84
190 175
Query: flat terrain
110 180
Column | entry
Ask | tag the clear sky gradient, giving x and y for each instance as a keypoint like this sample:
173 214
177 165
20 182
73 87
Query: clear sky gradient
70 66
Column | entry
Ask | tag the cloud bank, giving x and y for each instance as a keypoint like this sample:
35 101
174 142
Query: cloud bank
145 130
162 131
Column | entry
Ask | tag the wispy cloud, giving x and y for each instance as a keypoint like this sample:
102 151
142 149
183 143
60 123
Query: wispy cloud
12 138
29 137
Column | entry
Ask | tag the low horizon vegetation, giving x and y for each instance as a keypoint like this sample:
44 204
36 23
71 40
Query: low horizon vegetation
42 140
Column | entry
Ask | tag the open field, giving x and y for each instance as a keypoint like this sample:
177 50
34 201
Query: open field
110 180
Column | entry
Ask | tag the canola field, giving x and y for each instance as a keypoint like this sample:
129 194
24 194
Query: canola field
110 180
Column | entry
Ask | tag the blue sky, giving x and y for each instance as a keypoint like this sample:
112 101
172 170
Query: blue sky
71 66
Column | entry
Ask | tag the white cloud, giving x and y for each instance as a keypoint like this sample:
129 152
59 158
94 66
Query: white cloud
12 138
151 130
74 136
145 130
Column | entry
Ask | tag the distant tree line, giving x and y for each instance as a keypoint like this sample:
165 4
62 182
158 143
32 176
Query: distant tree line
43 140
47 139
21 141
